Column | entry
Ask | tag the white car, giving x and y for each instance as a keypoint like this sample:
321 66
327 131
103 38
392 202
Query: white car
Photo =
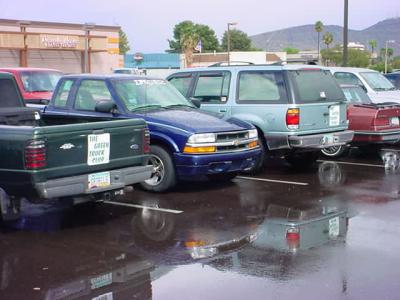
377 86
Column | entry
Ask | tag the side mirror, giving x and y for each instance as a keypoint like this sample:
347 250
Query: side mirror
106 106
196 102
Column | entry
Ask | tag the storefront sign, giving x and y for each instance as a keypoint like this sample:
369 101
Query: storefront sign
59 41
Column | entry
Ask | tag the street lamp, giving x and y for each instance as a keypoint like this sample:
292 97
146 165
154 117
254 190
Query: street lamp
386 53
87 27
229 41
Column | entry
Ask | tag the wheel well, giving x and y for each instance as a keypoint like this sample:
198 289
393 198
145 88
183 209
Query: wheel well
163 144
261 136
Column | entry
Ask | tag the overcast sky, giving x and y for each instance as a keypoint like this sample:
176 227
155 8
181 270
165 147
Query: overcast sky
149 23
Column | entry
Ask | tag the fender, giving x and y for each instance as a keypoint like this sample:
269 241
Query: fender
165 139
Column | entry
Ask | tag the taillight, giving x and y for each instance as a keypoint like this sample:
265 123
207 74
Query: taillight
146 141
35 154
293 238
381 122
293 118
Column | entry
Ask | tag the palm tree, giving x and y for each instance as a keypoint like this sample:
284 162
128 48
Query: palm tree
319 26
373 45
327 38
188 42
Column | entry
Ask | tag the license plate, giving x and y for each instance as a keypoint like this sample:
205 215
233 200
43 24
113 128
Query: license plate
108 296
98 149
334 115
100 281
334 227
328 139
395 121
99 180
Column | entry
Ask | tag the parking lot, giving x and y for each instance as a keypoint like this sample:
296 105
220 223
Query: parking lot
217 241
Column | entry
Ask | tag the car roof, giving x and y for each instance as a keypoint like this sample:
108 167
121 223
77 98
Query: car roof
350 69
254 67
110 76
29 69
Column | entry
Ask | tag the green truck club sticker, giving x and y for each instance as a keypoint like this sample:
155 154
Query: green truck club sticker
98 149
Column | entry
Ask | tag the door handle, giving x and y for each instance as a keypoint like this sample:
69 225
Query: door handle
326 114
223 110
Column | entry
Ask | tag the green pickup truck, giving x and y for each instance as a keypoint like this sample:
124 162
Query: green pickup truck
40 160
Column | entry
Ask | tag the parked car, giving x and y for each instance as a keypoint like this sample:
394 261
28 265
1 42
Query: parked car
394 78
372 123
186 143
35 84
297 110
378 88
39 161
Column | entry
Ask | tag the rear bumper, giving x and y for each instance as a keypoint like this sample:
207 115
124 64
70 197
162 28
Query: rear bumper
78 185
198 165
320 141
392 136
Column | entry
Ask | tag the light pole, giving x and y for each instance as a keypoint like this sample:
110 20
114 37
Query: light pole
346 33
87 27
386 53
229 40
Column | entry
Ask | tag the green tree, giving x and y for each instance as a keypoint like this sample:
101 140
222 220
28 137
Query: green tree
327 38
291 50
319 27
188 41
373 45
390 52
357 58
123 42
240 41
184 29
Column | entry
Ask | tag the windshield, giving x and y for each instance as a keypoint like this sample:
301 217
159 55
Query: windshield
356 95
40 81
377 81
315 85
141 93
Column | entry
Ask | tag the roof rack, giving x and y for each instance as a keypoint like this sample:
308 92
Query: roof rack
232 63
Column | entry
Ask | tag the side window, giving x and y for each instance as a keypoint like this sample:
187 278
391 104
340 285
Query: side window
347 78
61 98
213 88
261 87
89 92
182 83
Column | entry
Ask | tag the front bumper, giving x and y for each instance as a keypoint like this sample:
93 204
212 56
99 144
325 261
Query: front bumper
320 141
388 136
215 163
78 185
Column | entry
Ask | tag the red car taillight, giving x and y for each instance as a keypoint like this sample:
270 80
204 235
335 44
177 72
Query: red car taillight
293 118
146 141
35 154
381 122
293 238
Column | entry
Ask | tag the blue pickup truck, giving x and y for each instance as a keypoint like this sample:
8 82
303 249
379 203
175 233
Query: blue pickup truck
186 143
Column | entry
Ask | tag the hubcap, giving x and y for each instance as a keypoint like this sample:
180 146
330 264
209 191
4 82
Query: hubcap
331 151
158 172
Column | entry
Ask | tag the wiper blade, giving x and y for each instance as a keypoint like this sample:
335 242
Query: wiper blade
146 106
178 105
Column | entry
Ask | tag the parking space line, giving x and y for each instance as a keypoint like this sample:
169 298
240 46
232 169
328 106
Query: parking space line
352 164
273 180
172 211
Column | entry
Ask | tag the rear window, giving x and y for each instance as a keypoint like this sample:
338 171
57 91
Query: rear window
315 86
356 95
261 87
9 94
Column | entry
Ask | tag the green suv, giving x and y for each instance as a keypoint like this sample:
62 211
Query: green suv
297 109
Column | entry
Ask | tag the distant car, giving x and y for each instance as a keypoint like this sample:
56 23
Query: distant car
35 84
394 78
372 123
297 109
377 86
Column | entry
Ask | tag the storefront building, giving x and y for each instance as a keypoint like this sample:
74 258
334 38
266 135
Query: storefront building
71 48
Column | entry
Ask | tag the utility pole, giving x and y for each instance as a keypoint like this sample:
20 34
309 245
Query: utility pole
346 33
229 41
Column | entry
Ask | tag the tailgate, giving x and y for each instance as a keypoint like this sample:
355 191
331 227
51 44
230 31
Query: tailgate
92 147
323 116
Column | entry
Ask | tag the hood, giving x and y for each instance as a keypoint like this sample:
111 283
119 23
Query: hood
385 96
194 120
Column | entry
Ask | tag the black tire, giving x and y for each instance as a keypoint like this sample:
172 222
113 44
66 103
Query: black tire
303 160
335 151
10 209
224 177
164 176
260 163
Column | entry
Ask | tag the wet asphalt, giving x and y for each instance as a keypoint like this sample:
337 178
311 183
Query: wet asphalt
218 240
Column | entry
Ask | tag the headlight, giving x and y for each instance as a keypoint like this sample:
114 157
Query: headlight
202 138
253 134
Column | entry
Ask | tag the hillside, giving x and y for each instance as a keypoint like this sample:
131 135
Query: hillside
305 38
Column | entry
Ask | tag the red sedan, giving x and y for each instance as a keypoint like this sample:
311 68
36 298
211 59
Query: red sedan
373 123
36 84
